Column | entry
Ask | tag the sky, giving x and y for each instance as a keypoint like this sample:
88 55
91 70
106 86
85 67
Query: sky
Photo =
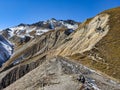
14 12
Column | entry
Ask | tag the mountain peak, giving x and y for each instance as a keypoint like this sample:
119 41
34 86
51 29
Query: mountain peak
53 19
22 24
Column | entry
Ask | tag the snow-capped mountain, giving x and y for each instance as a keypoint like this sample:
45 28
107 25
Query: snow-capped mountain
22 33
39 28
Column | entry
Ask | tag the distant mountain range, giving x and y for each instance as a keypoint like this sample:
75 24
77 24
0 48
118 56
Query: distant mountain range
62 54
25 32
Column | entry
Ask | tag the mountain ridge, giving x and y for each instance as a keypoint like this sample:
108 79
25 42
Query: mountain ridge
93 43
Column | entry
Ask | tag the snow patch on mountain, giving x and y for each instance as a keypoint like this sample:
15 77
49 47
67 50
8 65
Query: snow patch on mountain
71 26
41 31
6 50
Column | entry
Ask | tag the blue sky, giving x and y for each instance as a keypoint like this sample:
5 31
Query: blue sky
14 12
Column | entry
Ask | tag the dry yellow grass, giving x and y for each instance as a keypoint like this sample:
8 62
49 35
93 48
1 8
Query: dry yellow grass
108 48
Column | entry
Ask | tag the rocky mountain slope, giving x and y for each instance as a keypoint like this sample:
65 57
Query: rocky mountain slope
6 49
63 54
25 33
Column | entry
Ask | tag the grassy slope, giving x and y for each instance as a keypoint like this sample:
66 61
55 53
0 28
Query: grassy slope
108 48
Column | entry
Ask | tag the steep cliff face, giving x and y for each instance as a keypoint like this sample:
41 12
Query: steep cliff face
6 50
85 38
95 44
